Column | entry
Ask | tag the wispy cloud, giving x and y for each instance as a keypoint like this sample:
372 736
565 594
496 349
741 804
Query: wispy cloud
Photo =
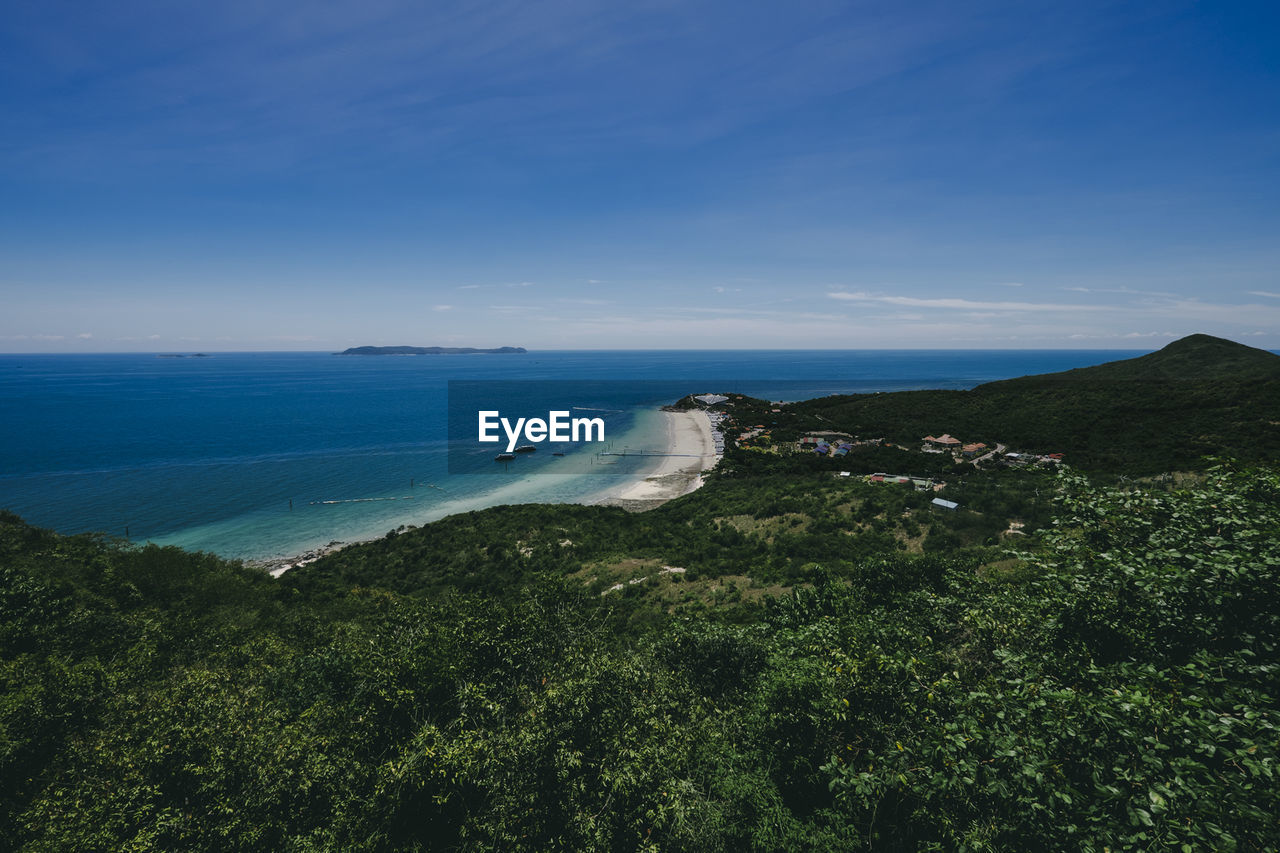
227 83
441 307
956 304
1127 291
1117 336
513 309
1265 293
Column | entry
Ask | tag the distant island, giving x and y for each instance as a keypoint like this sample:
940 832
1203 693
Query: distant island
427 350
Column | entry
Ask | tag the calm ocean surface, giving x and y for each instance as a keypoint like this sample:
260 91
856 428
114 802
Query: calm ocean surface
207 453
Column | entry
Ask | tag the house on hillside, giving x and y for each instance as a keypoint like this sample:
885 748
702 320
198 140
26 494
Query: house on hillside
972 450
944 441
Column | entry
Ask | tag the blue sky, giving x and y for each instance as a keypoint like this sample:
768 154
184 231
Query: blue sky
287 175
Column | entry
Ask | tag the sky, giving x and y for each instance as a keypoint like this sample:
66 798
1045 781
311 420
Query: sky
644 175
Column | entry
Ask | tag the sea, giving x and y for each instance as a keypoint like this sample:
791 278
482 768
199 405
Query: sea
264 455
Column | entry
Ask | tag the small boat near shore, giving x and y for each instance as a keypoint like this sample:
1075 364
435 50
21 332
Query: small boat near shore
526 448
504 457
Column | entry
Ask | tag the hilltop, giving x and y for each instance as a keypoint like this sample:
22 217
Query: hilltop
1193 358
428 350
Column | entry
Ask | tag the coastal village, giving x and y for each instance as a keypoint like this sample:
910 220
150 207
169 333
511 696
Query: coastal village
836 445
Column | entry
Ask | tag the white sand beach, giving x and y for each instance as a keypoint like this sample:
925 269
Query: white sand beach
690 451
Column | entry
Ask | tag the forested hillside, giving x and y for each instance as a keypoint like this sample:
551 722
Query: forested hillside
1199 396
1115 687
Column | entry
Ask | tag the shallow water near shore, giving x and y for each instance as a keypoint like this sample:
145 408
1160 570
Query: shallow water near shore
208 453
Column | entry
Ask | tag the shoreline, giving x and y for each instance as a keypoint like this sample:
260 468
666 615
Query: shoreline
689 450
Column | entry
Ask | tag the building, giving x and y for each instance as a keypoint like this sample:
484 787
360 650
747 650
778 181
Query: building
972 450
944 441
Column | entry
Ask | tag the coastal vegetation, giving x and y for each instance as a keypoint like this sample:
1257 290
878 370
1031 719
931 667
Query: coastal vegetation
785 659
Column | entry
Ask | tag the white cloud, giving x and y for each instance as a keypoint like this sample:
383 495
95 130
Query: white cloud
85 336
1113 336
1128 291
952 303
441 307
1266 293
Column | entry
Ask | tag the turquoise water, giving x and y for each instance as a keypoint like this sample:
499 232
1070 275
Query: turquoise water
209 453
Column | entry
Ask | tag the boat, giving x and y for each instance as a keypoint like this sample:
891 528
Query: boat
526 448
504 457
557 453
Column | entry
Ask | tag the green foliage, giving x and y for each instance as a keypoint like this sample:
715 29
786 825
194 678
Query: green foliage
768 526
1104 425
441 691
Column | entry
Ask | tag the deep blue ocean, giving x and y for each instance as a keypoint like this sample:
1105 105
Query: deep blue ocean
245 454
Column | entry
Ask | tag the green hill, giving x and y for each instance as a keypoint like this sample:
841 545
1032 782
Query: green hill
1195 357
1198 397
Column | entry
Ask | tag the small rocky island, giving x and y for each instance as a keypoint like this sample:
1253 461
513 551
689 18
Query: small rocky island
427 350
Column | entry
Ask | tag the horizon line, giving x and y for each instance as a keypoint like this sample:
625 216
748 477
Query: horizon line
528 351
